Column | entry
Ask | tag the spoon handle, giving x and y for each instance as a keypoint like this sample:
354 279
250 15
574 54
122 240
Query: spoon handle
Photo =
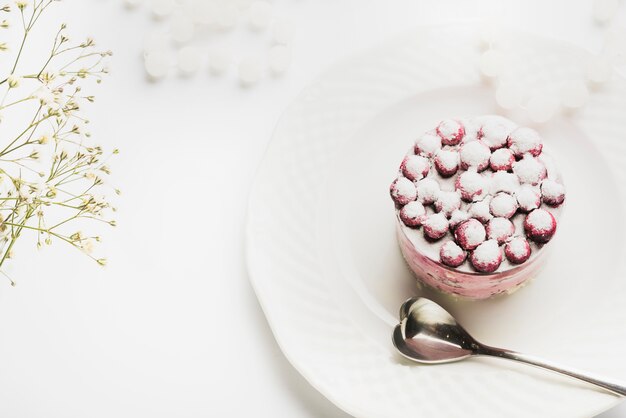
614 388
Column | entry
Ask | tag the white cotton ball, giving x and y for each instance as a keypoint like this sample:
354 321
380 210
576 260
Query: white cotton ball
181 28
219 61
189 60
205 12
509 94
599 70
259 15
604 10
492 63
227 15
157 64
283 31
542 107
279 58
162 8
574 94
131 4
250 71
155 41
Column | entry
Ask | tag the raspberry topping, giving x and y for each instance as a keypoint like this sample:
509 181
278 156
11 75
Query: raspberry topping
529 170
435 226
553 193
480 208
451 132
495 131
403 191
475 154
501 181
487 257
413 214
427 190
503 205
451 254
502 160
447 162
471 185
428 144
527 198
415 167
525 140
470 234
540 225
517 250
500 229
448 202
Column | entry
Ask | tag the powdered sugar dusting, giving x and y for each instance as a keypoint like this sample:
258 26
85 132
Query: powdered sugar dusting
428 144
529 170
448 202
495 131
475 154
541 220
528 197
428 190
503 205
501 181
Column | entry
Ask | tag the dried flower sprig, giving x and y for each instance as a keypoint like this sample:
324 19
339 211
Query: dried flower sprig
51 174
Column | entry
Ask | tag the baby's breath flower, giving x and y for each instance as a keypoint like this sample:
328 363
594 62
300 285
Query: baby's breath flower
4 24
21 4
4 46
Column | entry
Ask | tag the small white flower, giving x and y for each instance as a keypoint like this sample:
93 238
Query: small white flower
14 81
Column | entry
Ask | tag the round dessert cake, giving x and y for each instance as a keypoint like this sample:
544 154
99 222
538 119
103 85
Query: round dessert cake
476 203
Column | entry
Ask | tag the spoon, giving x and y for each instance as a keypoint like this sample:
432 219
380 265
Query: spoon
428 334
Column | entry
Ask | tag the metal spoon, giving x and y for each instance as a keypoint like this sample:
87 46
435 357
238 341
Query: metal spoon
427 333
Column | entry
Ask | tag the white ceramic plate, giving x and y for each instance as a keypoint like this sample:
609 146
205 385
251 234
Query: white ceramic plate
326 268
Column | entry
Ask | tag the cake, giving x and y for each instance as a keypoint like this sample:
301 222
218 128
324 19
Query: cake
477 201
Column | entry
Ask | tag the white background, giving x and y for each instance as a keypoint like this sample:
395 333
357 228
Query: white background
171 327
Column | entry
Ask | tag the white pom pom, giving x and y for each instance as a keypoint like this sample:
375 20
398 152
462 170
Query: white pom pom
259 15
189 60
574 94
492 63
219 61
162 8
599 70
279 59
226 17
157 64
250 71
181 28
604 10
155 41
509 95
542 107
283 31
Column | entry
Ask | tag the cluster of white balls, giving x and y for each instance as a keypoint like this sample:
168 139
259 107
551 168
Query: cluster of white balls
571 94
177 48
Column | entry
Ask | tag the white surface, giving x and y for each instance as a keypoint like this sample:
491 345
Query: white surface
171 327
327 270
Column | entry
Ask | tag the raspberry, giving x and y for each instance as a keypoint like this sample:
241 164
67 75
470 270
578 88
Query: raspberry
525 140
475 154
447 202
457 217
487 257
495 131
427 191
553 193
402 191
529 170
517 250
470 234
502 160
451 132
471 185
446 162
428 144
451 254
503 205
413 214
480 211
502 181
415 167
540 226
500 229
435 226
528 198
